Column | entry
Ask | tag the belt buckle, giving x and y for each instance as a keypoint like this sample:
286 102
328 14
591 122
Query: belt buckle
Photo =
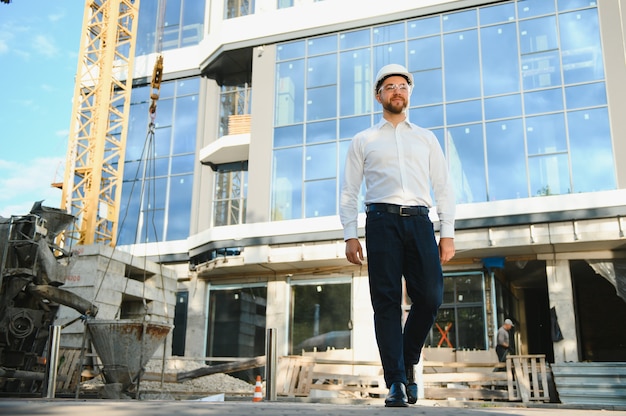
404 211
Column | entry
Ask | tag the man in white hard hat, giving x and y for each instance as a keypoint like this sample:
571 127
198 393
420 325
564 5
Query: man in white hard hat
400 163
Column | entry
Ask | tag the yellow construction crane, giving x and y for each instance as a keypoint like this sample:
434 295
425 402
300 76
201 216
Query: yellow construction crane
97 140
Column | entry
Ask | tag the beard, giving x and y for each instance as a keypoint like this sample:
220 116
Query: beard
395 107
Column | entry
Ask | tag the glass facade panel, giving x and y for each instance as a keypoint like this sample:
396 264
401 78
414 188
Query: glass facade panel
321 316
467 163
593 165
498 84
541 70
424 53
463 112
182 25
355 80
503 107
543 101
290 93
461 63
530 8
320 198
460 322
325 44
287 184
500 74
546 134
581 46
549 175
506 160
321 103
160 208
586 95
320 161
428 87
424 27
459 20
236 322
323 131
538 35
497 14
322 70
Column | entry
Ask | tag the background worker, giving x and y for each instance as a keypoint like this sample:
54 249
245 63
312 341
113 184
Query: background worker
503 344
400 163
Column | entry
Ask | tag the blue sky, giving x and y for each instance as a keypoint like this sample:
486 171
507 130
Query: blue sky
39 42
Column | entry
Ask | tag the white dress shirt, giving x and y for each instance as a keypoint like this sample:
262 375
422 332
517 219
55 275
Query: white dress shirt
399 166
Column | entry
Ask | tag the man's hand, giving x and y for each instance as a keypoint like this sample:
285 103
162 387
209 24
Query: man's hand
354 251
446 250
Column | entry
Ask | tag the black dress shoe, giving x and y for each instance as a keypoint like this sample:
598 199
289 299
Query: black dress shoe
396 396
411 393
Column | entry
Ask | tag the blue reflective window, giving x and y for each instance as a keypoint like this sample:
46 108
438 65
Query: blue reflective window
287 184
428 117
349 127
503 107
585 95
530 8
538 35
179 216
321 103
290 50
356 39
355 80
289 92
388 33
322 131
500 59
424 53
392 53
461 65
593 166
325 44
288 136
428 87
546 134
464 112
541 70
506 160
543 101
322 70
321 198
459 20
468 169
581 46
497 14
321 161
549 175
575 4
424 27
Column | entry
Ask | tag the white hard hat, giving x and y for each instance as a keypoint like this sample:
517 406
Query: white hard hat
508 322
390 70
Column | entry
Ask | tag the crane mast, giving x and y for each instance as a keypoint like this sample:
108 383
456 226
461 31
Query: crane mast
94 170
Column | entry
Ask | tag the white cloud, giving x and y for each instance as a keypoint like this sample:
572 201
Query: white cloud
44 46
23 183
4 48
56 16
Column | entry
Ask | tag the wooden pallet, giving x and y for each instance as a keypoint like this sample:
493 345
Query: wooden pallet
528 378
69 365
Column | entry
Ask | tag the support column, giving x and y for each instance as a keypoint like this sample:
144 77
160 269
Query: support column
276 313
561 297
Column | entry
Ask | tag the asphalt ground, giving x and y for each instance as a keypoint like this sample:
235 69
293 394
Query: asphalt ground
41 407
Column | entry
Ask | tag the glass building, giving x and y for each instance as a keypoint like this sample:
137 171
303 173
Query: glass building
237 184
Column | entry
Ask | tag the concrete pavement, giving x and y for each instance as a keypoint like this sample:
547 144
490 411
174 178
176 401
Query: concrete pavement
51 407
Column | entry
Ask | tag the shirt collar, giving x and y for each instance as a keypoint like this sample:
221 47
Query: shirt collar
384 122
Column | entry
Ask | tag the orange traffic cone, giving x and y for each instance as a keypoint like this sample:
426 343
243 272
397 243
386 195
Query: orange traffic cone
258 390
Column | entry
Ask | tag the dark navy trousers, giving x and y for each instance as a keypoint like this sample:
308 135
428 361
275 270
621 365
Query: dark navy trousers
402 246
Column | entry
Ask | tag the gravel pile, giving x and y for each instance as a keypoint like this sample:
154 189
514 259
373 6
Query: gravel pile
188 389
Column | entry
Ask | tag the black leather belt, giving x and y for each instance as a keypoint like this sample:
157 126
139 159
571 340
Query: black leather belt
402 210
